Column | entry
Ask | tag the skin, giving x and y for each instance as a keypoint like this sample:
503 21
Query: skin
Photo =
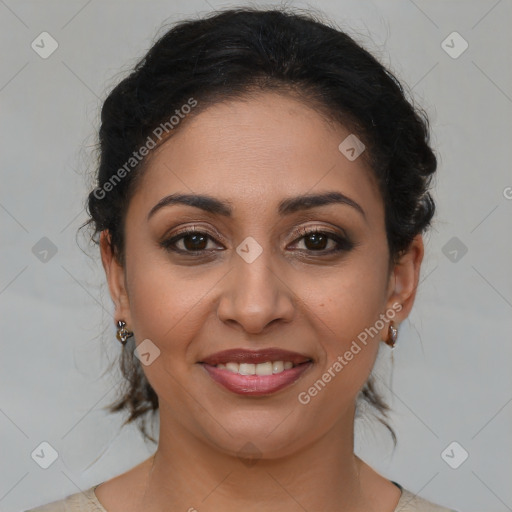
254 153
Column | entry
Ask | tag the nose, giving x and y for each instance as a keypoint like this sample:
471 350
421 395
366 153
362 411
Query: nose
256 295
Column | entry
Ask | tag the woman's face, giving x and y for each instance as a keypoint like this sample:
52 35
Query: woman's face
253 280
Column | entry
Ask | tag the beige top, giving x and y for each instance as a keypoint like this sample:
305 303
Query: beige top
88 502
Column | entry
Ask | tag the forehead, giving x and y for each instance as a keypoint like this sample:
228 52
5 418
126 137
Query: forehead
253 152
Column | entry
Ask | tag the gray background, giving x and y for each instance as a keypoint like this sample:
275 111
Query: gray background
451 379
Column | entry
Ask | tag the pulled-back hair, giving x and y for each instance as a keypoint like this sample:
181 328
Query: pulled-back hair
234 53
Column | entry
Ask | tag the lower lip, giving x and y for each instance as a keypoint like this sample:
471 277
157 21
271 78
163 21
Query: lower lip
256 385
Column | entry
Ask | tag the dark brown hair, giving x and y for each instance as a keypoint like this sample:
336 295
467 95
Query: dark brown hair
229 54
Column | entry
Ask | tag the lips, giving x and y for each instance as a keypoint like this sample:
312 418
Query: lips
256 385
238 355
256 372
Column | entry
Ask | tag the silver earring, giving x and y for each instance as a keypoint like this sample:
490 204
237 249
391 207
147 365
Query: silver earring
122 333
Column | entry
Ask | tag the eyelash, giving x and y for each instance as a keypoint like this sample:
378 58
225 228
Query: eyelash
343 243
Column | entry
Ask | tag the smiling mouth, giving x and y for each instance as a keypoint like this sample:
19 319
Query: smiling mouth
256 379
256 372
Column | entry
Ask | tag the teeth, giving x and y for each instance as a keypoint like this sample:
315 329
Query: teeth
268 368
232 367
277 366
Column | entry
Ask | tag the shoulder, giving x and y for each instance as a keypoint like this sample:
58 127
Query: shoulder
410 502
85 501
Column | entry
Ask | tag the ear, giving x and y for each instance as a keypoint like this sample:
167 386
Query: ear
116 280
404 279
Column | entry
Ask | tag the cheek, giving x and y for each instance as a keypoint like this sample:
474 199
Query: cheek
347 353
167 310
347 307
352 297
163 303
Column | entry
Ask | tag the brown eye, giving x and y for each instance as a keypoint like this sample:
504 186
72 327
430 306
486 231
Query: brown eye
316 240
188 241
195 241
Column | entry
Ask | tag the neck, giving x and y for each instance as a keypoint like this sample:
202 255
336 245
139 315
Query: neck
188 473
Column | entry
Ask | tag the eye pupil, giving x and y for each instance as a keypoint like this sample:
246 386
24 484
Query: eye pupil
317 237
195 238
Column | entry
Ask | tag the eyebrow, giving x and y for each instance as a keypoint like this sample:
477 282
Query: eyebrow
286 207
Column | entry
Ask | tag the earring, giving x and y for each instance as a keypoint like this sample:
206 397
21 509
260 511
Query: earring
392 335
122 333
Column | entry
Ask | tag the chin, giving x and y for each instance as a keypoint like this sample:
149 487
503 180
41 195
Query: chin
269 438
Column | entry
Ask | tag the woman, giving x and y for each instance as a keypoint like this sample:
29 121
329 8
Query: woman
260 203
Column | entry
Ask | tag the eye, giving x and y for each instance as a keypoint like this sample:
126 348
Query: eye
191 241
316 240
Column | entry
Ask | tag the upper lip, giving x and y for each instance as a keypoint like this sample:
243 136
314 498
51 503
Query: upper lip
240 355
